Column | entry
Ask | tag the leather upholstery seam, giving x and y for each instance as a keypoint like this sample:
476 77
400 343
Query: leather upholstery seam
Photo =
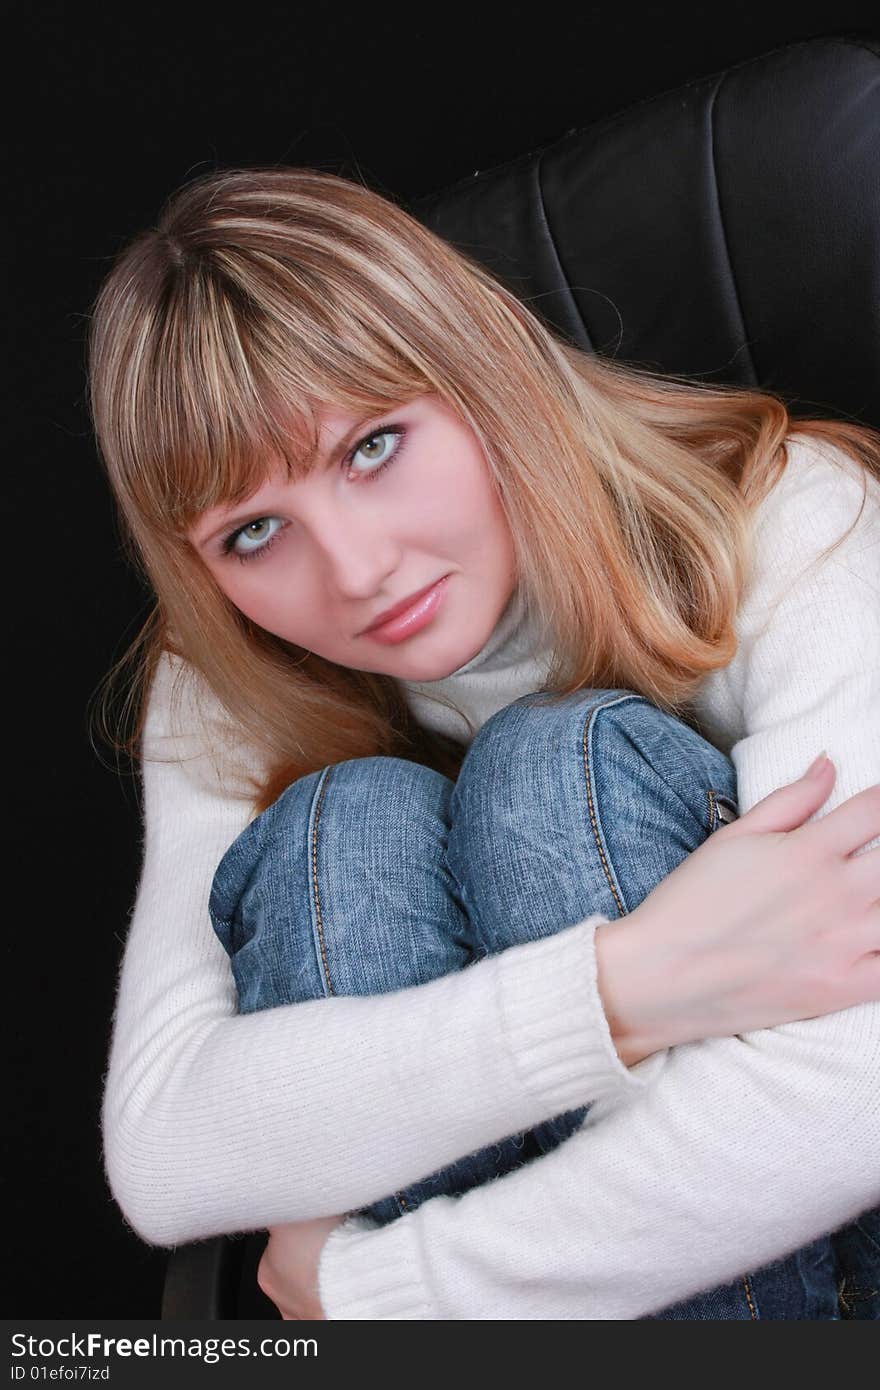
564 286
723 230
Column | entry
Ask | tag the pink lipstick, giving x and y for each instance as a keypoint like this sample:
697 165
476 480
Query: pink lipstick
410 618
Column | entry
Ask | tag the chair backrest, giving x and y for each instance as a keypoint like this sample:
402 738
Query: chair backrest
728 230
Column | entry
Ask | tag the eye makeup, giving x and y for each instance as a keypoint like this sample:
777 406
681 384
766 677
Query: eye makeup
397 432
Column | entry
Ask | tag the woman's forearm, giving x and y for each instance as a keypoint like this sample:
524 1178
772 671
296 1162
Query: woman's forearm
215 1122
743 1149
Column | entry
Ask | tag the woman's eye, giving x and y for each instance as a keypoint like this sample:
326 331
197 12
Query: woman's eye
255 531
377 449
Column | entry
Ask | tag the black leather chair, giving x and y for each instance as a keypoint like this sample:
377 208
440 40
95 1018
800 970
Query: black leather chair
728 230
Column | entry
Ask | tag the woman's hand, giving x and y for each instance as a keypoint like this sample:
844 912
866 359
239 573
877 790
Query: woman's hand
288 1269
768 921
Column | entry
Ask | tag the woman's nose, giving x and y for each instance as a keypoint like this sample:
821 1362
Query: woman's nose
358 559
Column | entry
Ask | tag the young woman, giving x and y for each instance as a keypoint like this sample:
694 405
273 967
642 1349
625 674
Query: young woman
465 642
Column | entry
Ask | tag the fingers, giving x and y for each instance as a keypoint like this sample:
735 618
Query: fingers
850 826
789 806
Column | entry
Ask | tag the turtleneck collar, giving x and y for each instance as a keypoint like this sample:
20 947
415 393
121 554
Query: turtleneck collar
503 633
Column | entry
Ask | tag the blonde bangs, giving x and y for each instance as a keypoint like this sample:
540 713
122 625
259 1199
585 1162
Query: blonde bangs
221 379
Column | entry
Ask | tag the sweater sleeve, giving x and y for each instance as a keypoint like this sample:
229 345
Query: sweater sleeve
744 1148
216 1122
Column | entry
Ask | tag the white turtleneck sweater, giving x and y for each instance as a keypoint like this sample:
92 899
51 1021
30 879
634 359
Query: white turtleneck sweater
698 1164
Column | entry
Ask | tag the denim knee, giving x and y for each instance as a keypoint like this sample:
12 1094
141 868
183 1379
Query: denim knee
577 806
340 887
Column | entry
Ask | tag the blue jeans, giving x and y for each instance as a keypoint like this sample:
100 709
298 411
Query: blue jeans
376 874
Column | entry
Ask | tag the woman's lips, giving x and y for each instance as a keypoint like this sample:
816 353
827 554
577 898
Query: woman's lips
412 619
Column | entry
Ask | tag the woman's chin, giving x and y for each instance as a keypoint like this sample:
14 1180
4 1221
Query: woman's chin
431 666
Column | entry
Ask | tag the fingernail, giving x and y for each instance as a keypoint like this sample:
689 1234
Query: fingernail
818 767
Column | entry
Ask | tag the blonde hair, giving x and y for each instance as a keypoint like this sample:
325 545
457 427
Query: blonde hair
263 295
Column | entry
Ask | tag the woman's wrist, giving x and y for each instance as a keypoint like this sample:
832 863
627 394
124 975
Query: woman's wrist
370 1272
637 984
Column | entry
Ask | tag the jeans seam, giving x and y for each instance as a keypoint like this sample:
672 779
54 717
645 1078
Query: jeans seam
753 1312
316 892
591 804
850 1294
319 916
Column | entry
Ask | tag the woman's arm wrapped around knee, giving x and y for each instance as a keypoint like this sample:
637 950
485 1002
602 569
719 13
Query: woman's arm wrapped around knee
216 1122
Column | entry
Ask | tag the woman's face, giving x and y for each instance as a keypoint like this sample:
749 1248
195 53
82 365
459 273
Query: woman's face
398 504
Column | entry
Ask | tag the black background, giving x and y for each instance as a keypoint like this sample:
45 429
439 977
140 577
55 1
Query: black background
113 107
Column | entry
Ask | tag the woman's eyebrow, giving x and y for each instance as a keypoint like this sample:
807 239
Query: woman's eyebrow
334 455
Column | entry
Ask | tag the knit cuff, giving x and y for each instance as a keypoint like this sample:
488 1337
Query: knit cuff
373 1273
554 1021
